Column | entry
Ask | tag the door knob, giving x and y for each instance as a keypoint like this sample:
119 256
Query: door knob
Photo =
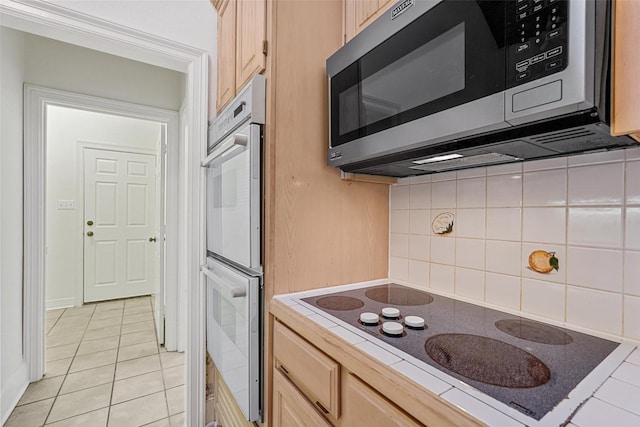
89 223
152 239
89 233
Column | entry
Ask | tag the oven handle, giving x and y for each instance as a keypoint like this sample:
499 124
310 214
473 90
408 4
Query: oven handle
233 291
237 139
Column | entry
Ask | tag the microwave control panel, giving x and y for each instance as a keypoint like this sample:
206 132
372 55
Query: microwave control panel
537 37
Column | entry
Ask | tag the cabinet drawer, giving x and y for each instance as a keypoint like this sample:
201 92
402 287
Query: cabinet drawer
312 371
365 406
291 408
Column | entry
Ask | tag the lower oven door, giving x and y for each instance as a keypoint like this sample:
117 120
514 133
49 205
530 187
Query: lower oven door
233 332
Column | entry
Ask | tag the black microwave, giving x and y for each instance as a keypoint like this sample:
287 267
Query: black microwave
441 85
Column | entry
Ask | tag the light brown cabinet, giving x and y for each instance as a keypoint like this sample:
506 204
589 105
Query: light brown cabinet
360 13
315 373
362 405
241 45
291 408
312 389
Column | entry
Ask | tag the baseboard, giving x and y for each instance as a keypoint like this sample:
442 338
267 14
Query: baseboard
13 390
60 303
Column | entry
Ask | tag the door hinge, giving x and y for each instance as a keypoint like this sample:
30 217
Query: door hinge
265 46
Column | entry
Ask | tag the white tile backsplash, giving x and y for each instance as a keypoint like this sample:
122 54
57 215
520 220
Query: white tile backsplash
443 250
441 277
544 225
543 299
470 253
471 193
419 247
502 290
420 221
584 209
504 224
595 268
545 188
399 221
399 196
399 245
596 185
596 227
470 223
419 272
632 273
633 183
504 191
399 268
443 195
504 257
597 310
420 196
470 283
632 317
632 229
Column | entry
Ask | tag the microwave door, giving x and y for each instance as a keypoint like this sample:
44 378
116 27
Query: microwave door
233 198
233 326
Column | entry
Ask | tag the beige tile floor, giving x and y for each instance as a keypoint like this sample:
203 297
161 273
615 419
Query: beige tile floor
104 369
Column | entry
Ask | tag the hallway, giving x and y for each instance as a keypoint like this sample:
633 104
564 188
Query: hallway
104 368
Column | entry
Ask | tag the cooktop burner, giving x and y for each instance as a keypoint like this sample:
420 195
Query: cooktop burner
529 366
487 360
534 331
398 295
340 303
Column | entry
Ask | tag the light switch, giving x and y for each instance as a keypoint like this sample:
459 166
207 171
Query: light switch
66 204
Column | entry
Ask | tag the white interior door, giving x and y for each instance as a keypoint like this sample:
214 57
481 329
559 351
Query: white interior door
119 224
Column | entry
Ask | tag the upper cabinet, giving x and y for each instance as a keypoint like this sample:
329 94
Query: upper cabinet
626 69
360 13
241 45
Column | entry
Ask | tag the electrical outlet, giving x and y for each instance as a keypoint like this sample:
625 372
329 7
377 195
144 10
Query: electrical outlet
66 204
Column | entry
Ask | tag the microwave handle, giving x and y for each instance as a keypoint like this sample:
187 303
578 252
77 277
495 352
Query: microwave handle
237 139
234 292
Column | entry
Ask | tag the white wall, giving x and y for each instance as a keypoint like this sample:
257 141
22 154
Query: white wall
65 129
63 66
13 371
189 22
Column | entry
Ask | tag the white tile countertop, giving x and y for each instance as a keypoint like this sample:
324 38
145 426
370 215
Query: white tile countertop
609 396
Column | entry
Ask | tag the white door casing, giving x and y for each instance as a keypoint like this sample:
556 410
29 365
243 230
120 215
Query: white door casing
160 291
120 220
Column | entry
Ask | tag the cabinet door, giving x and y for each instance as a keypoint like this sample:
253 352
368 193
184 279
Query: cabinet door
226 53
251 34
290 408
626 69
360 13
363 406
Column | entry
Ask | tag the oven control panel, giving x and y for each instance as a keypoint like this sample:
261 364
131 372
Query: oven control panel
537 36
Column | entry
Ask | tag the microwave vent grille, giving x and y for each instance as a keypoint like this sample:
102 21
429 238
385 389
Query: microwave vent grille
464 162
563 136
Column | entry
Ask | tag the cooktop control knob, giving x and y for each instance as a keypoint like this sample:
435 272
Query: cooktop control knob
392 328
369 318
414 321
391 312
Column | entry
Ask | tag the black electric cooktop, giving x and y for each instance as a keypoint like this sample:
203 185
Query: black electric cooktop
528 365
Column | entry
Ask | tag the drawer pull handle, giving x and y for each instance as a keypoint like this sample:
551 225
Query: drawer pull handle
322 407
283 369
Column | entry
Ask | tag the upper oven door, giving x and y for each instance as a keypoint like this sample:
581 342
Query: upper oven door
233 198
445 57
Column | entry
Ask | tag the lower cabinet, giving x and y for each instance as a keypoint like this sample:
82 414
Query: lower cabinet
312 389
290 407
362 405
227 413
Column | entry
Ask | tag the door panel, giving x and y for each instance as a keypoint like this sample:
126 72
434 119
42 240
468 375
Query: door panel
120 192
